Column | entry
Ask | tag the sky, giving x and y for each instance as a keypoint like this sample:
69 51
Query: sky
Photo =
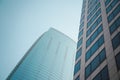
23 21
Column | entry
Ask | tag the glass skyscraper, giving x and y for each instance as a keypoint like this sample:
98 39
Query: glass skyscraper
50 58
98 46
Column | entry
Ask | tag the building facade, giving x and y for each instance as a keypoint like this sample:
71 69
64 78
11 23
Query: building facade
98 47
50 58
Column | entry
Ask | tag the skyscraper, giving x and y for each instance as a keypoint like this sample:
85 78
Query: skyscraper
98 47
50 58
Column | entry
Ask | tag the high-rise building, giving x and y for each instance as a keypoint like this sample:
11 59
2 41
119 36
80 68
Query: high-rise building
50 58
98 47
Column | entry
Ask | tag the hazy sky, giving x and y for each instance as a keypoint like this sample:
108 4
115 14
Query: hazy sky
23 21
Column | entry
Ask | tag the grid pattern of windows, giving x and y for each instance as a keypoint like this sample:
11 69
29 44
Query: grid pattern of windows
94 48
111 6
97 22
78 54
118 60
94 35
77 67
93 11
115 25
91 29
107 2
103 74
91 4
94 17
116 41
95 63
114 14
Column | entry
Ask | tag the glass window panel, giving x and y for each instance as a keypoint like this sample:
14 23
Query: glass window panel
95 63
87 71
116 41
102 55
77 67
101 40
78 54
88 54
118 60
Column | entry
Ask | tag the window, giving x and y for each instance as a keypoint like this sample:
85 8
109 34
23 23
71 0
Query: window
102 75
80 33
94 35
92 11
94 17
95 63
78 54
97 22
95 47
77 67
114 14
115 25
118 60
111 6
107 2
116 41
87 71
81 26
79 43
78 78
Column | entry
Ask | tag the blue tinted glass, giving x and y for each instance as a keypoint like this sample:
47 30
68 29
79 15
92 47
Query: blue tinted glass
94 35
94 25
81 26
107 2
116 41
77 67
88 42
80 33
88 32
87 71
118 60
115 25
95 63
102 55
101 40
95 47
111 6
78 54
102 75
88 55
114 13
98 77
